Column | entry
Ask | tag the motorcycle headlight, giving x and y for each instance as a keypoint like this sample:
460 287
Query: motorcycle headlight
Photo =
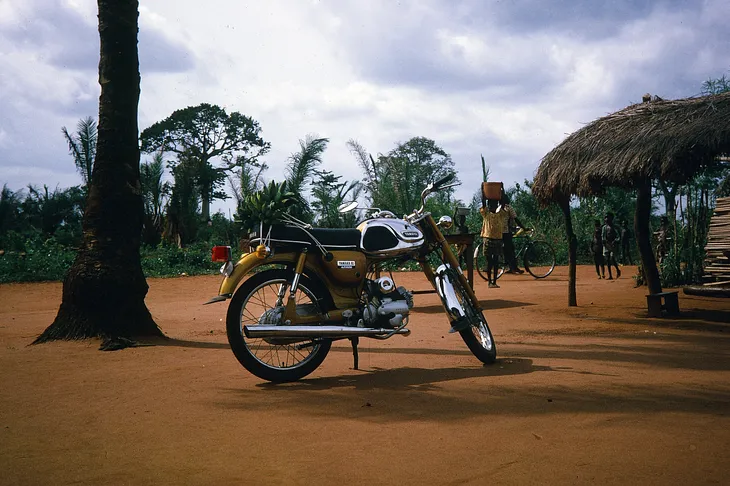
445 222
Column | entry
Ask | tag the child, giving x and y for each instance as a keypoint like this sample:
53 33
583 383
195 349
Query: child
610 237
492 224
597 250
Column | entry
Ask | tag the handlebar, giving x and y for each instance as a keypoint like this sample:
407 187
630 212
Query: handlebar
444 180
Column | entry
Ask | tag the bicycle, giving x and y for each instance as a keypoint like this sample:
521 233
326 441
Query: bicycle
537 256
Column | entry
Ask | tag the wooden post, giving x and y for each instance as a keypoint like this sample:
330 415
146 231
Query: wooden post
572 251
643 237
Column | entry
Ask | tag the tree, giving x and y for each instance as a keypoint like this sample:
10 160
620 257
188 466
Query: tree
246 178
716 86
104 290
82 146
406 170
48 211
328 194
203 133
154 192
300 169
367 164
182 221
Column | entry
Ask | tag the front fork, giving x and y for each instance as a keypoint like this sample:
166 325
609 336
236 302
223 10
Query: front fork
441 280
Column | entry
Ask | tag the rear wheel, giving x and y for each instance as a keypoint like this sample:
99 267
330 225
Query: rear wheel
258 301
539 259
480 264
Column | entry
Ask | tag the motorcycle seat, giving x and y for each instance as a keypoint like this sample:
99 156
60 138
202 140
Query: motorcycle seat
334 238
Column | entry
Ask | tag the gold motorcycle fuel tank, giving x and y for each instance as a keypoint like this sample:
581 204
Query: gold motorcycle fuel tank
347 268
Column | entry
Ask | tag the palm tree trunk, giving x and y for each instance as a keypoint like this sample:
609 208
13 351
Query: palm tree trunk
104 290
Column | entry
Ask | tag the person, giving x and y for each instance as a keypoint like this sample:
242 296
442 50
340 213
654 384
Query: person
462 229
610 237
662 239
492 223
625 246
597 250
509 224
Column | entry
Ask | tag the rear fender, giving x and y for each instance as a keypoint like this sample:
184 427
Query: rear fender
246 264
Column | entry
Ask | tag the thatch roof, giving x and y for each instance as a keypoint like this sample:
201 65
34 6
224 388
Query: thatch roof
671 140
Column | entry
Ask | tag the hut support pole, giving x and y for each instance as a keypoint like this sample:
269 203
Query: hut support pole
643 237
572 251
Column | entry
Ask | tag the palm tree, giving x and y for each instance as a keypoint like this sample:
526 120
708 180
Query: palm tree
154 192
247 179
300 170
104 290
82 146
329 193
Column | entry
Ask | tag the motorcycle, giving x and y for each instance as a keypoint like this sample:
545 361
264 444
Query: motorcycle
308 287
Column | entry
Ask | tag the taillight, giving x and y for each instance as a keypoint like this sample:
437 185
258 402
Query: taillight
221 254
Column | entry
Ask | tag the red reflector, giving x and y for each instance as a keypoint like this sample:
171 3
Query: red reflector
221 254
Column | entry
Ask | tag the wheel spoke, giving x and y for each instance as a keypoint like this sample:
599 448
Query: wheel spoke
263 300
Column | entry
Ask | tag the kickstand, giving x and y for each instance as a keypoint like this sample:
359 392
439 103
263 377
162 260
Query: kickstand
355 340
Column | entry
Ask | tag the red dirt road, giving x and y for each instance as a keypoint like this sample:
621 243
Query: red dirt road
594 394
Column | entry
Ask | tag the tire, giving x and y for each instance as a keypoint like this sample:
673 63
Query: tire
480 264
539 259
477 337
273 362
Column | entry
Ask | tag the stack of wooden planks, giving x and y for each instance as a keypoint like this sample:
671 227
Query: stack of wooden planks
717 251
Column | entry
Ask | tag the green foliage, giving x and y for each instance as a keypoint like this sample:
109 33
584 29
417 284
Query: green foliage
82 146
171 261
199 134
35 260
48 260
394 181
154 193
246 177
182 210
716 86
328 194
299 172
267 206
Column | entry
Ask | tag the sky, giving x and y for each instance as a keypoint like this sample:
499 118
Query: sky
508 80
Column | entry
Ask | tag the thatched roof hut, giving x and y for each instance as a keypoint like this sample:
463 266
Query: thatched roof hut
656 139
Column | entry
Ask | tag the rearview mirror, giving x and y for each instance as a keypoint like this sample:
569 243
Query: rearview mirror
346 207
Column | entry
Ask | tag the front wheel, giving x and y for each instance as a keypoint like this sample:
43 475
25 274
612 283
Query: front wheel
260 300
477 336
539 259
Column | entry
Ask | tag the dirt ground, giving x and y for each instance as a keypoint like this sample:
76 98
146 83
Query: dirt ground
595 394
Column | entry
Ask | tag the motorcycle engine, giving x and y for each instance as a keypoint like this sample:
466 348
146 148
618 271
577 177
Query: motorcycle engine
386 305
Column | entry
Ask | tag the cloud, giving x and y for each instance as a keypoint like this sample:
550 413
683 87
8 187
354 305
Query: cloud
507 79
49 51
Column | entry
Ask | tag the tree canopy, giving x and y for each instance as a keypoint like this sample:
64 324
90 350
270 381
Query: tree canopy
202 133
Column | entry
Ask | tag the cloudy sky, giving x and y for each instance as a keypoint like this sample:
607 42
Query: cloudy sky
506 79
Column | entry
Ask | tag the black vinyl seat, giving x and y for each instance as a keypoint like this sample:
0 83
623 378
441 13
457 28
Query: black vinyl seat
328 237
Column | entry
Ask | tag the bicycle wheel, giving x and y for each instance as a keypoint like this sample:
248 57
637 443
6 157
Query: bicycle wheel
480 264
539 258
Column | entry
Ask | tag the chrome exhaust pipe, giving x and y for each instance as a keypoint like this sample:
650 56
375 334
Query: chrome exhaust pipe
263 331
